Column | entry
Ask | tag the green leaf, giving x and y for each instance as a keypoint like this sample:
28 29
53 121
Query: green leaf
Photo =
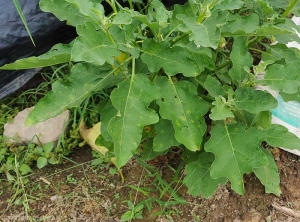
220 111
206 34
148 151
240 25
173 60
229 4
93 46
84 79
128 215
48 147
63 10
254 101
269 176
59 53
164 137
240 58
279 136
41 162
131 98
107 111
214 87
122 18
198 179
283 78
236 152
24 169
281 52
186 113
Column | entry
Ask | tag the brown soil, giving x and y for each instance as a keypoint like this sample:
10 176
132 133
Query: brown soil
77 191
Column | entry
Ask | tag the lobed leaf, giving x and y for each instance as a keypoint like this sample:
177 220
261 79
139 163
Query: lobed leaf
172 59
254 101
83 80
186 113
59 53
131 99
279 136
236 151
93 46
268 175
220 111
283 78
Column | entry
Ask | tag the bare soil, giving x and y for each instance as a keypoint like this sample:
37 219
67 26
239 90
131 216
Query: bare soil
77 191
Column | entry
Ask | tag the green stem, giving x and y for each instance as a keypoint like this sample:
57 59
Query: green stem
177 39
289 8
223 65
130 4
260 51
112 5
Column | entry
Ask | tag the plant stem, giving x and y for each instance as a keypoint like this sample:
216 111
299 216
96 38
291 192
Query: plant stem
130 4
223 65
112 5
289 8
177 39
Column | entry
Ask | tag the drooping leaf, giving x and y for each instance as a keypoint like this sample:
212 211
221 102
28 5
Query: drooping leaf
93 46
198 179
241 58
107 111
220 111
131 98
84 79
173 60
236 152
269 176
279 136
283 78
254 101
148 152
186 113
164 137
59 53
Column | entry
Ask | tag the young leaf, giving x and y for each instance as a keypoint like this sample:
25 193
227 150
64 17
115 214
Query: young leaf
279 136
198 179
41 162
220 111
240 58
131 98
254 101
164 137
186 113
174 60
93 46
206 34
24 169
236 152
283 78
268 175
59 53
83 80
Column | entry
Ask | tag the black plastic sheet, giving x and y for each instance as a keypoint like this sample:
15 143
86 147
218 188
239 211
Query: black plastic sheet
15 43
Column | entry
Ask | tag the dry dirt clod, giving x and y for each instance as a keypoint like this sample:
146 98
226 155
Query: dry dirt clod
252 216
